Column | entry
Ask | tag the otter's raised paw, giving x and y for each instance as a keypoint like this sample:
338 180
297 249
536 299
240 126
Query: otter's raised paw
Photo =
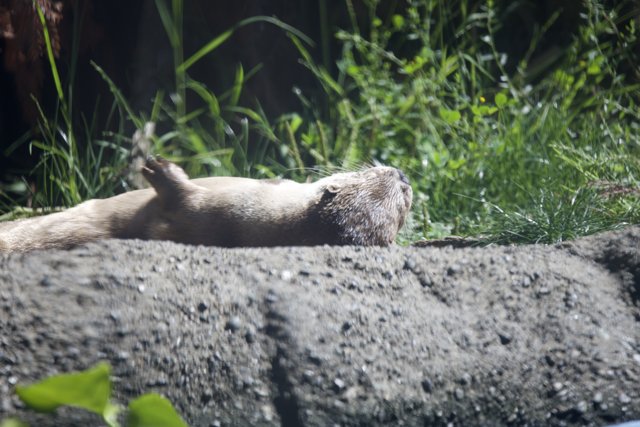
158 170
165 177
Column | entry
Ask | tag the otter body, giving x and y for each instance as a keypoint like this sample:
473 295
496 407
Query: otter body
357 208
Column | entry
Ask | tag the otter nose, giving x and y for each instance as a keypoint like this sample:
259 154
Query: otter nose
403 177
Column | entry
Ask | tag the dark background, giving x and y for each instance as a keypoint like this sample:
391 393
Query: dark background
128 41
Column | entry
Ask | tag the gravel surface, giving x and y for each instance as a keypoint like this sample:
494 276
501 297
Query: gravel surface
528 335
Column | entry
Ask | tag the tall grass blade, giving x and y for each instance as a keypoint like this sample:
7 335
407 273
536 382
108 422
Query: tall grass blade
50 55
121 100
218 40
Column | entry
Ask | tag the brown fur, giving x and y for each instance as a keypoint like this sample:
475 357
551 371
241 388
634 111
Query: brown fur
356 208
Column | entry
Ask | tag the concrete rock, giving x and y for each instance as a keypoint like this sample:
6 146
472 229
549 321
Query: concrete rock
537 335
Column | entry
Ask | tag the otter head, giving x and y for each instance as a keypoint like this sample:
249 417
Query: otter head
367 207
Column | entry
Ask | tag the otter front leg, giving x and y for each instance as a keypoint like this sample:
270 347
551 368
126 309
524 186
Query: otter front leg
168 179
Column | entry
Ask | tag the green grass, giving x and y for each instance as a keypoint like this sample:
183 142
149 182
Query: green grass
514 153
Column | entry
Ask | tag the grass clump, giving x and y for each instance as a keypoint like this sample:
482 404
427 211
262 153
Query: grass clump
551 217
77 160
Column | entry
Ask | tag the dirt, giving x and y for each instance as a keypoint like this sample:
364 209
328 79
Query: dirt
527 335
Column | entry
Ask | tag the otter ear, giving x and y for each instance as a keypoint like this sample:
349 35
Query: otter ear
333 188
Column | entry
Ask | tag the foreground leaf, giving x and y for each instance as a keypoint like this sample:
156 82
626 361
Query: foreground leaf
89 389
13 422
153 410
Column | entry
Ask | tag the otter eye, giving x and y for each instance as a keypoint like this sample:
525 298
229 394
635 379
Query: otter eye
403 177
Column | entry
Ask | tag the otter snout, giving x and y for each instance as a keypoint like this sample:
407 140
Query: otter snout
406 188
405 184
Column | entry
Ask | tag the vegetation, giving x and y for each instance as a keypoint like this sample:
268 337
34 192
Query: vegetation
515 149
91 390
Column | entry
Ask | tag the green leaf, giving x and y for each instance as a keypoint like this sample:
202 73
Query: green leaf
120 98
594 67
237 86
296 121
483 110
406 105
88 389
501 100
153 410
217 41
50 55
13 422
619 168
353 70
167 22
398 21
325 78
413 66
197 144
456 164
204 50
110 414
207 96
449 116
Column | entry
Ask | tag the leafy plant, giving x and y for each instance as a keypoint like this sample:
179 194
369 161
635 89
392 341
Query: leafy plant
91 390
428 90
12 422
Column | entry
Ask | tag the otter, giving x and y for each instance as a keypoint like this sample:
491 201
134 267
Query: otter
354 208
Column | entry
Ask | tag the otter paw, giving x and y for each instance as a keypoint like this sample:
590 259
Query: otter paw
168 179
160 171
